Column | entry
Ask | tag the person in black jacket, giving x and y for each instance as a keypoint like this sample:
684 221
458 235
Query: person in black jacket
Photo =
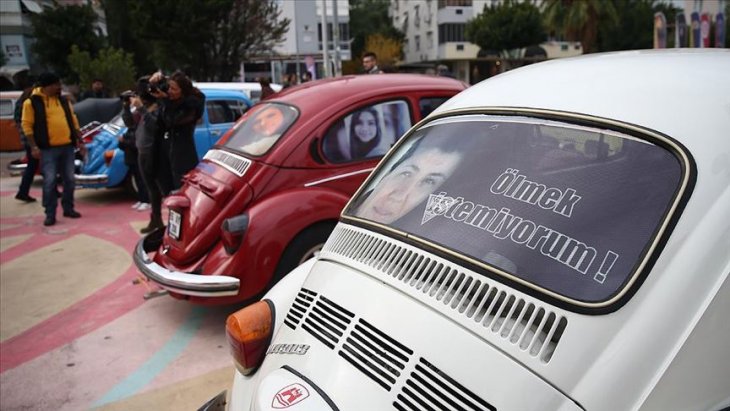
127 143
181 107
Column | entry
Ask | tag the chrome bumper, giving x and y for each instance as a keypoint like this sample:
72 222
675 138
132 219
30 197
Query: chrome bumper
17 169
183 283
82 179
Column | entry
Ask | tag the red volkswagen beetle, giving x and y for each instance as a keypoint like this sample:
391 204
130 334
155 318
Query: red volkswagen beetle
267 196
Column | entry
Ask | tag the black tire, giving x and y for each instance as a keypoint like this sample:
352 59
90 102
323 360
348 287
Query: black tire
304 246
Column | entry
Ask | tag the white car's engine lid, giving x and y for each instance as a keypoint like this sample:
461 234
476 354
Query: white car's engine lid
285 389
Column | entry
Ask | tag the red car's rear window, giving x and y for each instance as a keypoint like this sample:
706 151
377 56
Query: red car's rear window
261 128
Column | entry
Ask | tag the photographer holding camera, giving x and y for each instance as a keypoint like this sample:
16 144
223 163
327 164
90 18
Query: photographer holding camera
181 107
128 144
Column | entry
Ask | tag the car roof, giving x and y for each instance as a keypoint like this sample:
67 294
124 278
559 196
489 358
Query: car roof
683 93
218 93
319 94
235 85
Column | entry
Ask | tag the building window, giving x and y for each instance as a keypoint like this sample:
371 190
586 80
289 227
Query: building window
451 32
344 35
454 3
418 43
459 47
429 40
416 16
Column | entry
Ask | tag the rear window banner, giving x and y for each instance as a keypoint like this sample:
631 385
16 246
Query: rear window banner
569 209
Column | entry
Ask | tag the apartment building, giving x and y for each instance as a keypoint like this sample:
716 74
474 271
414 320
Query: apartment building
302 47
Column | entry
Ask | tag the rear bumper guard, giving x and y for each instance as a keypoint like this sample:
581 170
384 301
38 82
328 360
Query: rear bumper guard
198 285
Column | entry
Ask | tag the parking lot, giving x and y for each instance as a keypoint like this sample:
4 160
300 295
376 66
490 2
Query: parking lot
76 333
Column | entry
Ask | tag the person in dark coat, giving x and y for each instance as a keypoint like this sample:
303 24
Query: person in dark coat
181 107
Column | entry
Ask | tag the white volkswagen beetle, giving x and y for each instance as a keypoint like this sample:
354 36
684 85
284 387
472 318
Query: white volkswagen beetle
554 238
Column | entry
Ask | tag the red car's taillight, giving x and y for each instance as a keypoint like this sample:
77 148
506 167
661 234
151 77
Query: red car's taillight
249 333
232 231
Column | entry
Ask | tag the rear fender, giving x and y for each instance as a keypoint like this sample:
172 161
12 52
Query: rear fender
282 296
273 224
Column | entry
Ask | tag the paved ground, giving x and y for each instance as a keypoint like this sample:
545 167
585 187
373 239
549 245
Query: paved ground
75 333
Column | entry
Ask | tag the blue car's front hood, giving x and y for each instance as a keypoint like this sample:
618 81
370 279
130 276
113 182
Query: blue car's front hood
106 140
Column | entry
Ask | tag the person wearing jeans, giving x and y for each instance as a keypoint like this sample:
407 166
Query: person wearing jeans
52 130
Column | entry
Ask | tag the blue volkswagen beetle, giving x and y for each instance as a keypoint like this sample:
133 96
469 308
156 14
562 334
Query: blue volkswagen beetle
104 165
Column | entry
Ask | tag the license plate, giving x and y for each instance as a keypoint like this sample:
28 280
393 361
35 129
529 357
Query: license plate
173 226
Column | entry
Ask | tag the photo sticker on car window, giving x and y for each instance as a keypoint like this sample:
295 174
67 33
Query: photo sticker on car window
262 129
569 209
368 132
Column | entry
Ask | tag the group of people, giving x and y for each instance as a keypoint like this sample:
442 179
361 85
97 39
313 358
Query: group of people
159 145
160 114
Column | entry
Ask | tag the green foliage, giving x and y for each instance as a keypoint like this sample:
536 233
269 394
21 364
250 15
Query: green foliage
369 17
113 66
207 39
57 29
635 22
578 20
505 26
3 59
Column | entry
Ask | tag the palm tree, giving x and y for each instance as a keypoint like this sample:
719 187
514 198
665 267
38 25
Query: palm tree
577 20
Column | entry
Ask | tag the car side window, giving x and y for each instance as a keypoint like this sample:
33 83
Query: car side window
367 132
238 107
429 104
219 112
6 108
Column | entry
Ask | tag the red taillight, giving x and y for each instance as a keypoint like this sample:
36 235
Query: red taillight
249 332
108 156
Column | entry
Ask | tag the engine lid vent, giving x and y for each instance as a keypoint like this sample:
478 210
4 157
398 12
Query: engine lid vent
534 328
231 162
375 354
327 321
429 388
299 308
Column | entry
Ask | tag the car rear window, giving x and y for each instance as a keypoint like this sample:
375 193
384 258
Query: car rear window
261 128
565 209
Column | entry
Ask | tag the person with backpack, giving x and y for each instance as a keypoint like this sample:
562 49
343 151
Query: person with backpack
52 131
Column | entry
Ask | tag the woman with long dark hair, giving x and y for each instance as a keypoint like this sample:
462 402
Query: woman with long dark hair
181 106
365 134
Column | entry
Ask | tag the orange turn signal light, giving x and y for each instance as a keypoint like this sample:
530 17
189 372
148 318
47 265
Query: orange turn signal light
108 156
249 333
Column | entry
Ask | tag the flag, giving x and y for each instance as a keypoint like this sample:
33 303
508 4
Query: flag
720 30
660 30
680 34
694 34
705 29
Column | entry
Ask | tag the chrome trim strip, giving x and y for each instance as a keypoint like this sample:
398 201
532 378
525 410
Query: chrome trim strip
91 178
217 157
324 180
183 283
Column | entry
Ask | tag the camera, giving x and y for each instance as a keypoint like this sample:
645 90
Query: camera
159 86
126 96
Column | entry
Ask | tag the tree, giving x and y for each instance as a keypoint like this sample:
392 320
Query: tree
506 26
207 39
112 65
123 33
369 17
634 31
387 49
578 20
58 29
